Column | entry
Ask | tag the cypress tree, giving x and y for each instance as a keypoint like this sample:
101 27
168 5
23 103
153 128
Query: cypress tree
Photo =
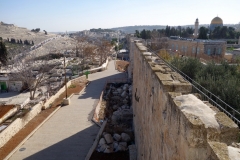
3 53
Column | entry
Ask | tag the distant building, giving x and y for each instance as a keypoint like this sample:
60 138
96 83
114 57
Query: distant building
5 24
205 49
217 21
196 29
123 54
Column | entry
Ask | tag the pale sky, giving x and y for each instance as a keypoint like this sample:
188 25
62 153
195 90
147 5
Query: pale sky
77 15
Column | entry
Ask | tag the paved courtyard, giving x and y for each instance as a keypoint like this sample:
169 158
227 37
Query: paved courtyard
69 133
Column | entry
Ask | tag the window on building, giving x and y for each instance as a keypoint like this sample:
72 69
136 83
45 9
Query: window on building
214 51
172 46
198 50
209 51
185 49
176 47
193 49
182 48
219 51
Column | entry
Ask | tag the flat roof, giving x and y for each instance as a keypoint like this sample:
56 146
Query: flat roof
123 50
238 49
195 40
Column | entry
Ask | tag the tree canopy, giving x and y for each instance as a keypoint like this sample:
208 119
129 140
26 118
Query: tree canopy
203 31
169 31
224 32
3 53
222 80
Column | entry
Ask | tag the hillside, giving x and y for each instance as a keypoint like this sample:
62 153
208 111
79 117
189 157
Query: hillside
131 29
13 31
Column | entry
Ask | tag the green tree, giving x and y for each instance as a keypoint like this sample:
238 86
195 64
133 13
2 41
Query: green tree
167 31
203 33
148 34
44 32
137 34
26 42
190 66
3 53
13 40
114 41
231 33
143 34
222 80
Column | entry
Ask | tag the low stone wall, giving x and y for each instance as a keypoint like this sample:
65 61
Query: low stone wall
97 109
170 122
48 103
8 114
102 68
95 143
78 79
18 124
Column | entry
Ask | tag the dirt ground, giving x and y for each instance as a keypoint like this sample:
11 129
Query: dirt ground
110 156
122 65
19 137
4 109
72 89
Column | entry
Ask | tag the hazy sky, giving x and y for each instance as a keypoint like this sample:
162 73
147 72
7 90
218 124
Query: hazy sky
76 15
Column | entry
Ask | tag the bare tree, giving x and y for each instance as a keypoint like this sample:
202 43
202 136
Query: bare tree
80 45
158 41
104 48
89 51
32 75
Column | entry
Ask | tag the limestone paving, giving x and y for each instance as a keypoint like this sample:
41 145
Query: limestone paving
69 133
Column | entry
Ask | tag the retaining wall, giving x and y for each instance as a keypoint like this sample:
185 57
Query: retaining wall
49 102
172 123
18 124
8 114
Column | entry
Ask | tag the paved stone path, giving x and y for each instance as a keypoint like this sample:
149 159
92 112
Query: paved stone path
69 133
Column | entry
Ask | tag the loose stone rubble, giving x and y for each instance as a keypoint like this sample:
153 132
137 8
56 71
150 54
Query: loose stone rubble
119 98
114 143
117 104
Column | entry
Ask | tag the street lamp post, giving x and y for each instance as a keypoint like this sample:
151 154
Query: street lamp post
65 76
66 100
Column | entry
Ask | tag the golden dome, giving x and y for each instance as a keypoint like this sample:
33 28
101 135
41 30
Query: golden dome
217 20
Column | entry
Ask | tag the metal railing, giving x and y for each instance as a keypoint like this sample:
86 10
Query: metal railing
206 94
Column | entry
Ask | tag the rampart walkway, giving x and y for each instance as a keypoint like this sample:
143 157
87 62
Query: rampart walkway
69 133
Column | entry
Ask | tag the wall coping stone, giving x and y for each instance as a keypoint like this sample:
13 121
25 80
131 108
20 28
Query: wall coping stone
201 134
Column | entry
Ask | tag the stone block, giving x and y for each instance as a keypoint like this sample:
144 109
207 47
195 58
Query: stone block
117 137
66 101
102 141
125 137
108 138
229 130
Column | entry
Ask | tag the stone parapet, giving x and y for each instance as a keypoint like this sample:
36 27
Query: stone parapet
170 122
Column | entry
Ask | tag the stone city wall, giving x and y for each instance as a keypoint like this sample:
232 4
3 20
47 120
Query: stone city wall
18 124
172 123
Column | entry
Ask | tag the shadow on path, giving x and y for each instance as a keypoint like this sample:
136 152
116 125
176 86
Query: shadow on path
73 148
